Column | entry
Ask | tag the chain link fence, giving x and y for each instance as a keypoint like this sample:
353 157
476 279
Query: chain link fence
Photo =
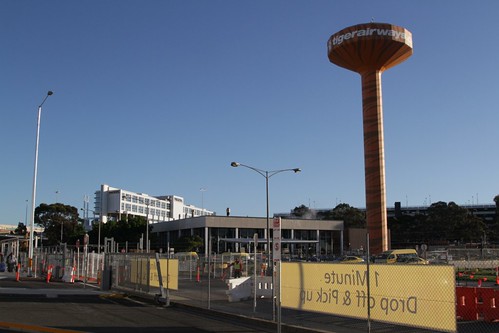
457 292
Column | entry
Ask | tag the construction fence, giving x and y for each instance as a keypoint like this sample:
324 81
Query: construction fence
396 297
460 294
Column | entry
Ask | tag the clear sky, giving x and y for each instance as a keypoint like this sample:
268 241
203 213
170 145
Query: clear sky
159 97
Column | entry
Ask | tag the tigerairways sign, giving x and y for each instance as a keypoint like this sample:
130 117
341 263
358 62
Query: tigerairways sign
370 32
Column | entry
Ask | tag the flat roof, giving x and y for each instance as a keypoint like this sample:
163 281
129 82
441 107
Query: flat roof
245 223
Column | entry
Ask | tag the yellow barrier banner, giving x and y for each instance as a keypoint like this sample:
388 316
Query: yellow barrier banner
414 295
169 272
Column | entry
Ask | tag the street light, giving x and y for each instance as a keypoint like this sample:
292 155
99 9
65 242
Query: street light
33 195
202 200
267 175
147 225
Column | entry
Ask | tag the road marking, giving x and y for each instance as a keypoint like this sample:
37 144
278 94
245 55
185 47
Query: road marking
33 328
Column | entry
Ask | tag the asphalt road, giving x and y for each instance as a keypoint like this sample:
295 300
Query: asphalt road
35 306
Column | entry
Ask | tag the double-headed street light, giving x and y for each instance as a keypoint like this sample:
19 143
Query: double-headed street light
33 194
267 175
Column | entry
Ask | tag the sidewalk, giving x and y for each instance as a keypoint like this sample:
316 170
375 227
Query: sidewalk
195 295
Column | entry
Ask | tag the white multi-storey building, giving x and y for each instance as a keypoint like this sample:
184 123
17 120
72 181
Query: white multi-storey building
116 204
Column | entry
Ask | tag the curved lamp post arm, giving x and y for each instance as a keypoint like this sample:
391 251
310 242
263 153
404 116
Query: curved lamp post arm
271 173
266 174
261 172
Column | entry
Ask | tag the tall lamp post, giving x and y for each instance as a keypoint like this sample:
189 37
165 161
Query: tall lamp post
147 225
202 190
267 175
33 195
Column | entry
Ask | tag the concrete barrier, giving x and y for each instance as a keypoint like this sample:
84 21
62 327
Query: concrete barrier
263 287
243 288
239 289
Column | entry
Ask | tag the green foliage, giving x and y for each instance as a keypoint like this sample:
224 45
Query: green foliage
303 212
351 216
444 223
21 229
452 222
129 230
56 217
188 243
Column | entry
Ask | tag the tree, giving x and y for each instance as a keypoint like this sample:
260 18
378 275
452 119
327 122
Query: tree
303 212
59 220
450 222
351 216
493 228
129 230
407 230
21 229
188 243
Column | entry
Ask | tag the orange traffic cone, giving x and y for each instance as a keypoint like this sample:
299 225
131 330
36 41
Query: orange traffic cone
49 273
18 272
72 280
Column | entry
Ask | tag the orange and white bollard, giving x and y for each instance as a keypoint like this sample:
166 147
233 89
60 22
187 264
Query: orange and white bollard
18 272
49 273
73 270
479 283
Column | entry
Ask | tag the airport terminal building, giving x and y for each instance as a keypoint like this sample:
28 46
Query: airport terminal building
115 203
300 238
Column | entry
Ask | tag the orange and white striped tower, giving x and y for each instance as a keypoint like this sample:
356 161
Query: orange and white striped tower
369 49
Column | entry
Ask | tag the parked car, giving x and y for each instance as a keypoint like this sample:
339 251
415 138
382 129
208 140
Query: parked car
351 259
401 256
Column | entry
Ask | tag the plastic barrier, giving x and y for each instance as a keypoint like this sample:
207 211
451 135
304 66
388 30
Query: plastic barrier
490 300
69 274
264 287
466 307
477 303
239 289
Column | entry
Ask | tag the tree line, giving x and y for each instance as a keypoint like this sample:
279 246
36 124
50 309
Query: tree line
62 224
442 224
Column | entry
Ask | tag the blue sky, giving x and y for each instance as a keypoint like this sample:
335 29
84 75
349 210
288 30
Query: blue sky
160 96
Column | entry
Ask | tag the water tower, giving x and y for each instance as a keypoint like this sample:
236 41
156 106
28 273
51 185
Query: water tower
369 49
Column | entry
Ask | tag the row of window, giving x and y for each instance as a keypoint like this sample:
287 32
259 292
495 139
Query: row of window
129 208
145 201
192 212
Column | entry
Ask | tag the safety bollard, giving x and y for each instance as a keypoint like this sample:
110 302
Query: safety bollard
198 277
73 270
49 273
18 272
